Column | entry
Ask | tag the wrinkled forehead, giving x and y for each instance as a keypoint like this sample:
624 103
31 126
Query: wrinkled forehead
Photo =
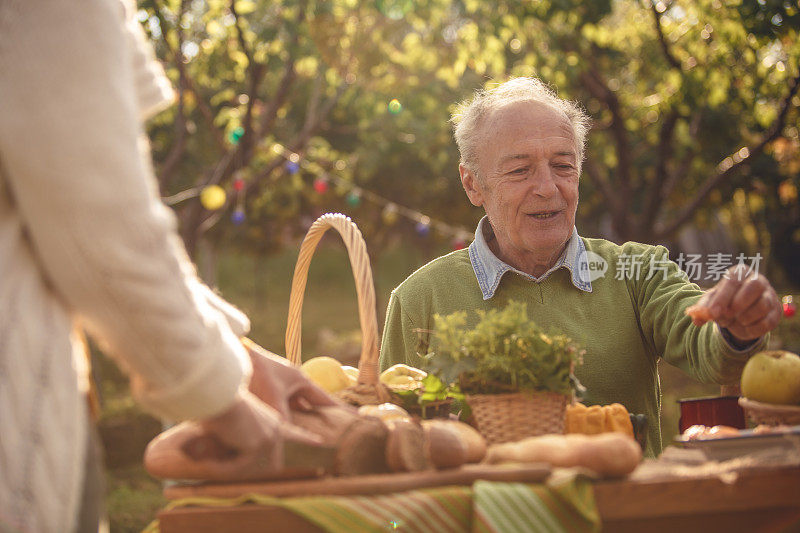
534 120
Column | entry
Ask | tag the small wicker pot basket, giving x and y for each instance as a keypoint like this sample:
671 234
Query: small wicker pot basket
369 389
770 414
515 416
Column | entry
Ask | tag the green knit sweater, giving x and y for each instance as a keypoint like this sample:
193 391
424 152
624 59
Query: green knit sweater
625 324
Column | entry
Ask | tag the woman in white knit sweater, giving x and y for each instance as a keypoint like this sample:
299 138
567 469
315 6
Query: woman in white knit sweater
85 241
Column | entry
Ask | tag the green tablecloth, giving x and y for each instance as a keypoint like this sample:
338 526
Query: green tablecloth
564 503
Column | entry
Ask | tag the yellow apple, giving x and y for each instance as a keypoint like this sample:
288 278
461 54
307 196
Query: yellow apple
402 377
352 374
402 370
772 377
327 373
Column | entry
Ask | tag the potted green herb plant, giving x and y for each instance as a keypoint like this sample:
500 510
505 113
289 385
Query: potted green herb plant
516 378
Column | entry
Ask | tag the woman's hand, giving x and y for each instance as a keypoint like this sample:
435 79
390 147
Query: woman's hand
256 433
280 385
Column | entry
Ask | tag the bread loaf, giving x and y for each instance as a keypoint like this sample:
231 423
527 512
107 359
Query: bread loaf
608 454
473 442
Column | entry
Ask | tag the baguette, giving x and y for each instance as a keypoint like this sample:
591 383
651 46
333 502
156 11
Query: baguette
607 454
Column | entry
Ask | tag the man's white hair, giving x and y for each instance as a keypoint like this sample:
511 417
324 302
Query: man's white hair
469 116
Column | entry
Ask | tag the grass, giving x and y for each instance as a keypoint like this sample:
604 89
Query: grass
133 499
260 286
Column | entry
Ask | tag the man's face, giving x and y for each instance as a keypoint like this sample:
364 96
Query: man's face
527 182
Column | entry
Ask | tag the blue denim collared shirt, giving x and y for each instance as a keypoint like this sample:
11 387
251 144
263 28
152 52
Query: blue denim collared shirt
489 269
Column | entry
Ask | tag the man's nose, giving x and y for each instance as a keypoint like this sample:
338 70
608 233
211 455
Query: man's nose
543 183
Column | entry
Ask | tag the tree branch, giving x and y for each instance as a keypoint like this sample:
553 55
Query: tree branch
175 154
606 190
599 89
190 85
656 192
300 142
683 169
729 165
287 80
671 59
207 113
240 33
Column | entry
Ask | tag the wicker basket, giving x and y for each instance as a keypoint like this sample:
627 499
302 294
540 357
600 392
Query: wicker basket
770 414
515 416
369 389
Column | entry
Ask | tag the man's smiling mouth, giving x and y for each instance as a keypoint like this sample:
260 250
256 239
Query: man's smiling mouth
544 215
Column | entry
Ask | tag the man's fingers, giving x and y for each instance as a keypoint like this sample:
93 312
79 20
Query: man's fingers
720 298
749 293
758 310
757 329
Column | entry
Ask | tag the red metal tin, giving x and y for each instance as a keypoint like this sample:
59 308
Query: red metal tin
711 411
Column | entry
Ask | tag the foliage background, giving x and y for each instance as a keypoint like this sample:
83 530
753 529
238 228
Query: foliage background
695 108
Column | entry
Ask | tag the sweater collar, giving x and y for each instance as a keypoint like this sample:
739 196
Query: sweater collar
489 269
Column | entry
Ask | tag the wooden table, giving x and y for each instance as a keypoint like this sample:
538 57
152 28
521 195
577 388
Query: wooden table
760 500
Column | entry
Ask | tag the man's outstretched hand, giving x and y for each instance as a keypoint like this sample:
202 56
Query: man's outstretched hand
743 303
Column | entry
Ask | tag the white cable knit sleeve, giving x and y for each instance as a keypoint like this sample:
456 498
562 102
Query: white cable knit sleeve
79 171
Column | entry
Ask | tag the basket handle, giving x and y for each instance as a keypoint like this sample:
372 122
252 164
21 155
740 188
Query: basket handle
359 261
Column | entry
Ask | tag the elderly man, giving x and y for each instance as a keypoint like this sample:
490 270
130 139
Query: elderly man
521 151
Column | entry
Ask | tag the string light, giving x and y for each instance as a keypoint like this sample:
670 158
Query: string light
395 106
390 213
353 197
236 135
238 216
292 167
321 185
424 226
213 197
789 307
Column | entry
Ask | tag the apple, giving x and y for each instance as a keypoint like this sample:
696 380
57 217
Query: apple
403 377
352 374
326 372
772 377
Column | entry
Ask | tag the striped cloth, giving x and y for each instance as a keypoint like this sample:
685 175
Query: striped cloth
564 504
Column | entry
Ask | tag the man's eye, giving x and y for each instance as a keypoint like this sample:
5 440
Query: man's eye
518 171
564 166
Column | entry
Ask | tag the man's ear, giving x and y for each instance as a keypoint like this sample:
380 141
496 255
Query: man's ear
472 185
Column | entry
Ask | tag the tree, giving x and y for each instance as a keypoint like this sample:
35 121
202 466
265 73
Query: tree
685 96
689 101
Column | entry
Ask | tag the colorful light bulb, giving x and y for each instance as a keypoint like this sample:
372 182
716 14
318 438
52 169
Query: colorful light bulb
236 135
353 198
789 307
395 106
321 185
292 167
213 197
